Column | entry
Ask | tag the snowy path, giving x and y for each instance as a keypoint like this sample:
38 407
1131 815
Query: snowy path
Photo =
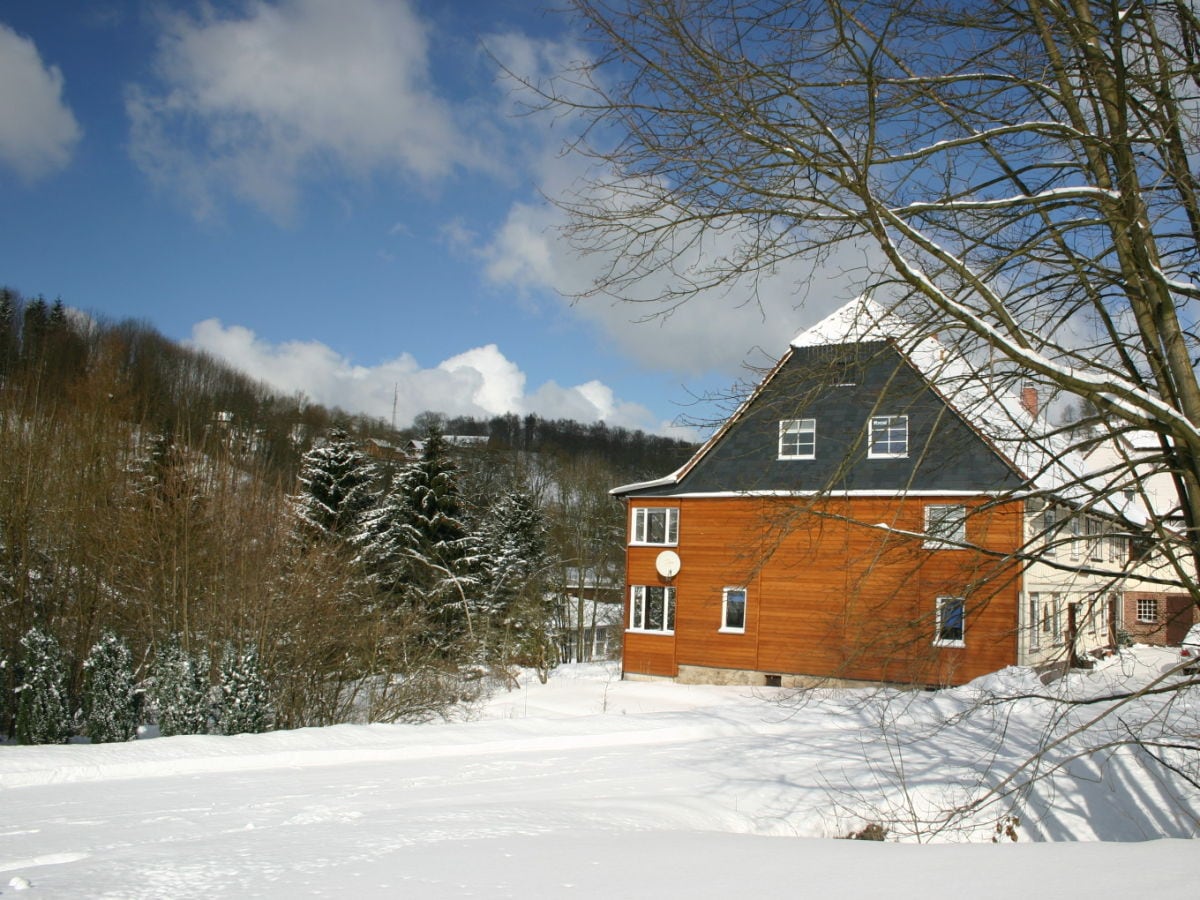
667 791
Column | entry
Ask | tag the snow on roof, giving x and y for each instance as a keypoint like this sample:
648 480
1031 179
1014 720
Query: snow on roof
1036 450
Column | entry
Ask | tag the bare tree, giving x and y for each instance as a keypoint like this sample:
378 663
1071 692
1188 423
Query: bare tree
1017 179
1020 177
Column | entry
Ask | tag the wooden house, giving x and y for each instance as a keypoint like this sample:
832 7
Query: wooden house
864 516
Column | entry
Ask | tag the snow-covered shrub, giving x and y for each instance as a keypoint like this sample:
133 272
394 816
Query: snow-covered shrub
43 710
109 693
244 706
179 691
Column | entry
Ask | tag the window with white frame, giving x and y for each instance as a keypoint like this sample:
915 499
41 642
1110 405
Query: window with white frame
1048 529
1074 537
1095 542
1147 610
951 612
798 439
888 437
1035 625
652 608
655 525
733 610
945 527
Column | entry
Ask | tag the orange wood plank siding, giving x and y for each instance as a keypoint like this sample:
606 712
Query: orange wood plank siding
826 594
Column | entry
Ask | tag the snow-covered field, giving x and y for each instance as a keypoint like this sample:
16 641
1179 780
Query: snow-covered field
592 787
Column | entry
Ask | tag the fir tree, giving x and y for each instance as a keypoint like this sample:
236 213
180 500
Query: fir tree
244 706
179 691
513 592
336 481
43 710
442 552
109 693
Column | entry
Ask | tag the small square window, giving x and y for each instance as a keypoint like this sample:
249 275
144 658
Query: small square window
888 438
733 610
950 625
945 527
655 525
1147 610
798 439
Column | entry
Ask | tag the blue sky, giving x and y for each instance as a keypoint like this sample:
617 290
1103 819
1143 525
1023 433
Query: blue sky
340 199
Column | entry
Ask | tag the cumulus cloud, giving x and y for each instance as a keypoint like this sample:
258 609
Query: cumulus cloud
257 103
716 330
38 131
479 382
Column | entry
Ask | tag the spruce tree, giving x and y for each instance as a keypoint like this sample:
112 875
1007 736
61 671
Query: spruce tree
336 488
244 706
513 591
179 690
43 710
442 550
109 693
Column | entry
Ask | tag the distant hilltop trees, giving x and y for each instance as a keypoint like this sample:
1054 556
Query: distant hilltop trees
183 546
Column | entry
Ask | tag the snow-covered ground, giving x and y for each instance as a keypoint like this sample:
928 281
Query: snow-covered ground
592 787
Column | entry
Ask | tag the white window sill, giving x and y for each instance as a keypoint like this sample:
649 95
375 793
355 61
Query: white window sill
887 456
814 456
649 631
649 544
941 545
949 643
731 630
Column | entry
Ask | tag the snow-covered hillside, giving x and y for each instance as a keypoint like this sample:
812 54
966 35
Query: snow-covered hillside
592 787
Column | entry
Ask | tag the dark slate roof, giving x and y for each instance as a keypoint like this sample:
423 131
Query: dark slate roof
842 386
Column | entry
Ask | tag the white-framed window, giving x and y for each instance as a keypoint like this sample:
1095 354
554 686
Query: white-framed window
1048 529
655 525
1095 542
1147 610
1050 626
652 608
951 613
888 437
1035 625
733 610
1075 528
945 527
798 439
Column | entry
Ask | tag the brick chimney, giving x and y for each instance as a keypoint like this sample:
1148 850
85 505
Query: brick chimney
1029 399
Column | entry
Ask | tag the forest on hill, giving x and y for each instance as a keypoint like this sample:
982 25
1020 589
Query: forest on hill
181 543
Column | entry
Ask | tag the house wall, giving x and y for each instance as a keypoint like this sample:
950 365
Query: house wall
829 594
1173 615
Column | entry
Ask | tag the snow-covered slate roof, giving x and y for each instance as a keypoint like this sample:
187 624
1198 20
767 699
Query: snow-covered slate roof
995 413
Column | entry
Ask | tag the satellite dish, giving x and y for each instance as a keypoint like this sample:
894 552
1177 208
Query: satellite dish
667 564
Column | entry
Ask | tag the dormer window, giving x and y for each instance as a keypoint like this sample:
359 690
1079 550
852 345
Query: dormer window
655 525
798 439
888 437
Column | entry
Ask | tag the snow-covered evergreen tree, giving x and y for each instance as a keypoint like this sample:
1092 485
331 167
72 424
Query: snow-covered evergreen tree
43 709
109 692
336 488
442 552
244 706
513 590
179 690
384 543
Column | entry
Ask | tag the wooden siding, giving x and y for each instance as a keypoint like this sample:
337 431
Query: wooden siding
827 594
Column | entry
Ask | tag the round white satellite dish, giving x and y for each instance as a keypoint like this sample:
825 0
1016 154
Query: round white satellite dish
667 564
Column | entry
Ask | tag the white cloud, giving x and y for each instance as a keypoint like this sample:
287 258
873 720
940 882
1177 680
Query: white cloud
256 105
38 132
716 330
479 382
